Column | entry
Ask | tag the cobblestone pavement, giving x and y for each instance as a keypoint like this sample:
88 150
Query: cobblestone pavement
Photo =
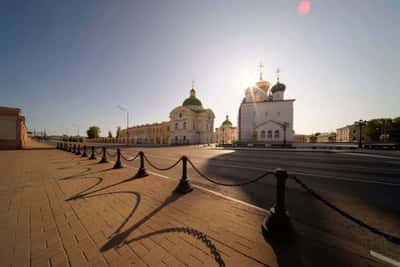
58 209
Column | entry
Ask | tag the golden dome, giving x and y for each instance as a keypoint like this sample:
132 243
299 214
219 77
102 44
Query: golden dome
263 84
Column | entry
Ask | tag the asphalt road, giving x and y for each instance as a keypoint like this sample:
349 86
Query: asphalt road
366 186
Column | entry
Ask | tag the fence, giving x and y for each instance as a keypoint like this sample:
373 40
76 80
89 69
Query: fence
276 223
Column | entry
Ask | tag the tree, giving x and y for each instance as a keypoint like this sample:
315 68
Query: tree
110 134
93 132
118 132
395 130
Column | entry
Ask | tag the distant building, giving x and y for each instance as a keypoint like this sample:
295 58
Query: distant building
265 116
326 137
300 138
189 123
13 132
226 133
155 133
347 134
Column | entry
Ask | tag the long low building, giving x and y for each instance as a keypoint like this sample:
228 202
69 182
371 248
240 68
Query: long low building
155 133
13 132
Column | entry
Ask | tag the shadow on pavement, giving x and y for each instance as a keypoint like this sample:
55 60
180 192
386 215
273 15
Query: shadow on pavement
189 231
120 238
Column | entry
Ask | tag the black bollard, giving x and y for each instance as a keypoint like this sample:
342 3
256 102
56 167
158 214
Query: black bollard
277 222
93 154
78 150
104 156
118 163
142 171
184 185
84 154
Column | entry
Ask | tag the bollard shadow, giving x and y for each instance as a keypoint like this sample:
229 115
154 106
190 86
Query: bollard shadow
85 192
120 238
85 172
131 213
189 231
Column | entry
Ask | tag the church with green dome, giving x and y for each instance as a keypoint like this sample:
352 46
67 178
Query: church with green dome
191 123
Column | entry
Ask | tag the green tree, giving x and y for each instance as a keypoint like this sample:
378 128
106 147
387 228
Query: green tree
376 128
118 132
93 132
110 134
394 132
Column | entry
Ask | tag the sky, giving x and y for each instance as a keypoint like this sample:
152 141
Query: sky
69 64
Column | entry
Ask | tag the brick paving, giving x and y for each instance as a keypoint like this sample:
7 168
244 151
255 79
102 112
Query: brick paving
58 209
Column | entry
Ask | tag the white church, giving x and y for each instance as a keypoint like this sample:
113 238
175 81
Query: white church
265 116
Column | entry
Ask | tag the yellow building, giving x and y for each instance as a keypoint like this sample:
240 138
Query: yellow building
226 133
13 132
155 133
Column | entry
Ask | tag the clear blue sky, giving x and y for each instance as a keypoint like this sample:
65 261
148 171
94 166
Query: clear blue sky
70 63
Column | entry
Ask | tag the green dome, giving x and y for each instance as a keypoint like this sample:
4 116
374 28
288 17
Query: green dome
227 122
192 100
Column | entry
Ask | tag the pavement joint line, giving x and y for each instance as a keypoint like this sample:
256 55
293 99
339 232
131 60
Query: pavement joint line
214 193
302 173
384 258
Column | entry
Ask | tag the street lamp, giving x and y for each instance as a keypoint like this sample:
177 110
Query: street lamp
360 124
127 121
284 126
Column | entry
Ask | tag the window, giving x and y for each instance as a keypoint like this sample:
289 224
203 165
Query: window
184 125
184 138
262 135
176 126
269 134
276 134
176 138
180 115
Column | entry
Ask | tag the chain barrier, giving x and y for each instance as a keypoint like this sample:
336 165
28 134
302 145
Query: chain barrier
391 238
161 169
129 159
226 184
112 155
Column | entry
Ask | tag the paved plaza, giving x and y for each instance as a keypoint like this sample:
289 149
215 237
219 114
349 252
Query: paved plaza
59 209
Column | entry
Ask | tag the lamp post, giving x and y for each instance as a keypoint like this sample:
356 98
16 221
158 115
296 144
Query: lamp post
127 122
284 126
360 124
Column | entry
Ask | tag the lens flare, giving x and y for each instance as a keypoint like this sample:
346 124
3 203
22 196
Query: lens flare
304 7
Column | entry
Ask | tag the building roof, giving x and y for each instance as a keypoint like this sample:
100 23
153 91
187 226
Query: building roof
192 100
227 122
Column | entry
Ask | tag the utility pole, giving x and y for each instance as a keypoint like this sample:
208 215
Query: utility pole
127 122
360 124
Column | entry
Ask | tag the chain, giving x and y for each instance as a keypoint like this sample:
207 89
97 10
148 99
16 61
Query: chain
111 154
391 238
226 184
130 159
161 169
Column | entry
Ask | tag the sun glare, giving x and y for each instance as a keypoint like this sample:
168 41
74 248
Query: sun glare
304 7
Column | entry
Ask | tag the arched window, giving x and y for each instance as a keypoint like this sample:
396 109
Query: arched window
276 134
269 134
180 115
184 125
176 138
262 135
176 126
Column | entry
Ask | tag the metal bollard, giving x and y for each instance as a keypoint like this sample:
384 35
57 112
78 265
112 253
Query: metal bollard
78 150
277 222
118 163
84 154
93 155
184 185
142 171
104 156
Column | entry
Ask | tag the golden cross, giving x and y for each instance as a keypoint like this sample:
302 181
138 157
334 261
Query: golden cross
261 66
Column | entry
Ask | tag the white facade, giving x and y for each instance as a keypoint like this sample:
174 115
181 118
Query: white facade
265 116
